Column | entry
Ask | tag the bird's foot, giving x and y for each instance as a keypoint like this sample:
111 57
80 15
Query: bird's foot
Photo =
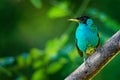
90 51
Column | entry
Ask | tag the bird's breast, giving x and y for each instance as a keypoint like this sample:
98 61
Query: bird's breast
86 37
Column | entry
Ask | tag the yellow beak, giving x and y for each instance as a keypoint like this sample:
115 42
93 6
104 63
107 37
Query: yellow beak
74 20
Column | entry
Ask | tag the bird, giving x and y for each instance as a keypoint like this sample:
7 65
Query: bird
86 36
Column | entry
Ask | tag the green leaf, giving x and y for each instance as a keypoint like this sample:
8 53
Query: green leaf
37 64
36 53
54 45
39 75
20 61
5 71
59 10
28 60
36 3
54 67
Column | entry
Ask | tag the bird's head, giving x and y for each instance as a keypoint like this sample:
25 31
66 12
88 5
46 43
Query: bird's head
83 19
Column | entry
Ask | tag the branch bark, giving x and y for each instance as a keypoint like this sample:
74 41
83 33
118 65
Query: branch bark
98 60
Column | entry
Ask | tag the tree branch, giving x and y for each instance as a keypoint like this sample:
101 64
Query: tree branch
98 60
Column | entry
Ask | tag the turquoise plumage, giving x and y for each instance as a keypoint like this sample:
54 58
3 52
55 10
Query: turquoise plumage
87 37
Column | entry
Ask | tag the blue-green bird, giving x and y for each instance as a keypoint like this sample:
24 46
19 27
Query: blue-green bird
86 36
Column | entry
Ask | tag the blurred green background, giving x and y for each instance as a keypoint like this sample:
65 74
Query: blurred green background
37 40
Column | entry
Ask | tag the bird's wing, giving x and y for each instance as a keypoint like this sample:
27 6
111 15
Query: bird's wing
80 52
98 40
94 28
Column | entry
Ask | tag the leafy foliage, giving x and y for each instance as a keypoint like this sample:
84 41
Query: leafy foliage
59 10
37 3
39 44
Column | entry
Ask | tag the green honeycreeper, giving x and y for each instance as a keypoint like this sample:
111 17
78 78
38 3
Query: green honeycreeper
86 36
